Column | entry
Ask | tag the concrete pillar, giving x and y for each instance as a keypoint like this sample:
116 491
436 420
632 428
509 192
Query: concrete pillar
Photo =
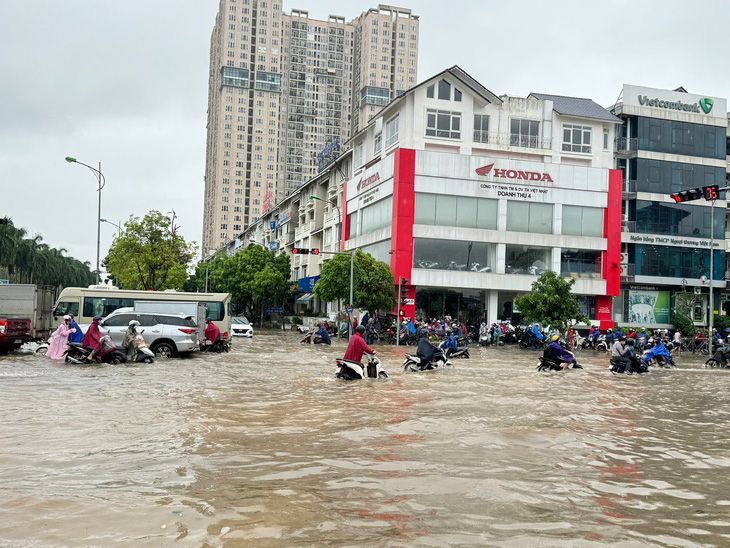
501 252
492 303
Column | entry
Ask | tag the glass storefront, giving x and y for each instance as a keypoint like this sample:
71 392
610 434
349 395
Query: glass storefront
453 255
677 219
461 211
523 259
529 217
579 263
582 221
675 262
468 305
663 177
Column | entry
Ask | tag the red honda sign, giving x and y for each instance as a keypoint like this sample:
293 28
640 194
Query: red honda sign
513 174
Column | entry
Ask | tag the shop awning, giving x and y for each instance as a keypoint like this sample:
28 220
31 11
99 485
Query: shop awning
304 299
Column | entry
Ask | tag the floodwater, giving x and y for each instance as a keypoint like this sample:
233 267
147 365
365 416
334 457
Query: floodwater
263 447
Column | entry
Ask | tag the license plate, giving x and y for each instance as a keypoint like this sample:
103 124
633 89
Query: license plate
18 341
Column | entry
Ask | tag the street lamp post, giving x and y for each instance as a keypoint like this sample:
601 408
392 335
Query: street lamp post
119 227
102 182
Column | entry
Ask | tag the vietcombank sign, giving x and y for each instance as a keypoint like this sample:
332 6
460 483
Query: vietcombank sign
704 105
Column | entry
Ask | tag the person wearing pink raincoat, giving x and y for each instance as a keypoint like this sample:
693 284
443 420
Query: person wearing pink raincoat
59 339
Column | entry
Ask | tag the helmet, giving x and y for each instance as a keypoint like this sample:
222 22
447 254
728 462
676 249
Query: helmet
424 333
96 318
360 329
133 323
609 330
449 330
556 337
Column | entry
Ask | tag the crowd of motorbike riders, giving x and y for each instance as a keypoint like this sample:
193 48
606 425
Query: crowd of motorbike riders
631 351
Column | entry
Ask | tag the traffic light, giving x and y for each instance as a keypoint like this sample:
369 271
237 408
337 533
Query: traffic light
711 192
687 195
403 296
300 251
314 251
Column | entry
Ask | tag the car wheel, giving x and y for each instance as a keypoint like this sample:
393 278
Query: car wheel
163 350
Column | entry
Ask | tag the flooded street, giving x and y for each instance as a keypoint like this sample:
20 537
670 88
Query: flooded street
263 447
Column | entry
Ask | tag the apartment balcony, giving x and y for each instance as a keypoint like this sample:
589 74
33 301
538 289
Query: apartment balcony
629 189
626 147
511 140
628 226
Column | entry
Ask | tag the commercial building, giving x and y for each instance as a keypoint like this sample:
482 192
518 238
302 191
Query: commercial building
670 141
280 90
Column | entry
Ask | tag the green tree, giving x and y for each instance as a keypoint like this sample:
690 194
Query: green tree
245 276
374 287
150 255
551 302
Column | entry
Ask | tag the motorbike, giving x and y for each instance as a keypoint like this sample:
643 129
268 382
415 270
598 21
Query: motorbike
618 367
545 364
78 353
139 351
427 264
350 371
484 338
412 363
461 352
475 268
311 338
453 265
220 345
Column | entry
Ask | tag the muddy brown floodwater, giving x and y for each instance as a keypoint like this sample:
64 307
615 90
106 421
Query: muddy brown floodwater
263 447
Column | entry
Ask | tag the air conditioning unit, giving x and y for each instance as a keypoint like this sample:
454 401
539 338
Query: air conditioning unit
625 217
624 270
624 257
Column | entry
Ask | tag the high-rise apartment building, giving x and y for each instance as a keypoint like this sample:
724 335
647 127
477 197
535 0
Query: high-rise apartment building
282 87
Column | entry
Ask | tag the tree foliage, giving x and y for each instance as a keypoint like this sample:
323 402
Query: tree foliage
551 302
149 254
252 276
374 285
25 259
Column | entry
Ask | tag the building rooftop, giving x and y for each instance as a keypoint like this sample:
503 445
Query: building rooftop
577 106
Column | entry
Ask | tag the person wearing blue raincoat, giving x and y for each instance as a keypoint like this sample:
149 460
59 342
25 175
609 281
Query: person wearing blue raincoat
78 336
659 350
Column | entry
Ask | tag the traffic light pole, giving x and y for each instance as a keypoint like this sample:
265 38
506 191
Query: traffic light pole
712 264
351 253
397 318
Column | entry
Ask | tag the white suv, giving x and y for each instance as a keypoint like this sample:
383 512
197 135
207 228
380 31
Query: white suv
241 327
167 335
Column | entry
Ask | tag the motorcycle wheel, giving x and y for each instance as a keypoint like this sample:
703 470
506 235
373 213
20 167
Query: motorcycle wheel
116 359
382 375
41 350
523 345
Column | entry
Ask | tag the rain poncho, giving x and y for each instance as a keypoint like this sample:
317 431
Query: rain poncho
58 346
93 335
556 352
78 335
212 332
658 350
450 342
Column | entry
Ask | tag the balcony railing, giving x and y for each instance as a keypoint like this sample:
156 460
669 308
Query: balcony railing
511 139
626 147
628 226
629 187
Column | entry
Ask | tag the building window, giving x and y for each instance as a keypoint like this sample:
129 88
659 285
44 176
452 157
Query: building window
453 255
523 259
391 132
576 138
481 128
378 144
430 90
460 211
457 95
524 133
358 156
444 90
577 263
529 217
605 139
582 221
443 123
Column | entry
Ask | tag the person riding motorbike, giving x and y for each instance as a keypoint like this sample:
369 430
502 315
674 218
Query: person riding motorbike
323 335
659 352
130 340
426 351
618 354
557 354
370 333
92 338
78 335
357 346
212 333
449 346
722 354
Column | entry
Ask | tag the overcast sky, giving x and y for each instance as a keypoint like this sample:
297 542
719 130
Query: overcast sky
125 83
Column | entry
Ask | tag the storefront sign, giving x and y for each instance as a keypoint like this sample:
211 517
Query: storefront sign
516 192
649 307
705 104
365 182
307 284
284 217
513 174
369 197
643 288
669 240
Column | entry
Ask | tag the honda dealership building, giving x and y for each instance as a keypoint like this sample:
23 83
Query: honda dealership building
471 196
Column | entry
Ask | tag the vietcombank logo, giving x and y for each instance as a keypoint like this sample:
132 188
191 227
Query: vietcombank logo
705 104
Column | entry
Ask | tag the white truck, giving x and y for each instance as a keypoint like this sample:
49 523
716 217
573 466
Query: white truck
26 314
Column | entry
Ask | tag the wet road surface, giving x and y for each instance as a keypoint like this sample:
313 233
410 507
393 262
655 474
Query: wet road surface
263 447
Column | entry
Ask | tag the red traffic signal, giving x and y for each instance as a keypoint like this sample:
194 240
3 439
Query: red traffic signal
300 251
314 251
687 195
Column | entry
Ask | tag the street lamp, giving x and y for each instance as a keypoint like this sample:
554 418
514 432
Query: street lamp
102 181
119 228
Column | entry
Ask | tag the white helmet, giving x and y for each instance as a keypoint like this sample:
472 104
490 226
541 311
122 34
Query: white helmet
134 323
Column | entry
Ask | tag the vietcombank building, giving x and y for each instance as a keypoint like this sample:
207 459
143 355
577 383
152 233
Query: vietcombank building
670 141
471 196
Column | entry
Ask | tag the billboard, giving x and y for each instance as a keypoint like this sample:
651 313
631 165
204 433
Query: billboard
648 307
